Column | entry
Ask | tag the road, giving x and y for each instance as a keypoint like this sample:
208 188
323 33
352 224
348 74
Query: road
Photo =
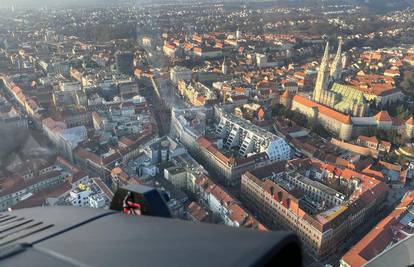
160 109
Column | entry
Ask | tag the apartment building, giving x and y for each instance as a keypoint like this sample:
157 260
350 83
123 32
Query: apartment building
321 204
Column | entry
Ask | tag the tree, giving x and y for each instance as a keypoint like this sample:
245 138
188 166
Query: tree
390 135
372 105
407 82
320 130
400 111
297 117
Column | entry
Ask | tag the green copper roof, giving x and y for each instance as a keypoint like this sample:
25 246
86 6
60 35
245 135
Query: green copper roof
346 96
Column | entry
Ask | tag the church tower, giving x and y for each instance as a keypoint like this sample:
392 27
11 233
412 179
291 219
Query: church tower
409 128
336 67
224 67
322 81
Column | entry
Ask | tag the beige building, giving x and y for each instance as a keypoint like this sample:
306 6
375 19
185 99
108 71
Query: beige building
332 120
320 203
345 126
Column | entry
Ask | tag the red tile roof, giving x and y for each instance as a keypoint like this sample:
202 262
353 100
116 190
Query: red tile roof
109 194
383 116
385 144
336 115
67 164
410 121
16 183
39 198
371 139
197 212
205 143
378 238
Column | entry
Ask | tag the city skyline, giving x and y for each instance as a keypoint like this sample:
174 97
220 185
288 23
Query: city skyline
267 115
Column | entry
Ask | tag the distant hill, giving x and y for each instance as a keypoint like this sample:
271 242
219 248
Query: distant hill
380 4
372 4
53 3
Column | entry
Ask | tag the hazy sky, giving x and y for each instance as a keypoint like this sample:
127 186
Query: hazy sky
40 3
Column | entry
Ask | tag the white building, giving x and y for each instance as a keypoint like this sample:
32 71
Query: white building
262 61
70 86
79 197
177 176
207 52
169 50
96 201
147 41
249 138
70 138
180 73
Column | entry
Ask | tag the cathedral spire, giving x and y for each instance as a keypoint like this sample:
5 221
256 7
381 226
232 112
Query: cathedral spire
339 51
325 58
336 68
224 68
322 80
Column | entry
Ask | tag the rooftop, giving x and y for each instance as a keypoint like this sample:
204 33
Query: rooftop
397 226
336 115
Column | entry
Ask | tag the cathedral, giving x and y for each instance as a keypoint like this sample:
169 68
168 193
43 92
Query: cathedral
339 108
329 92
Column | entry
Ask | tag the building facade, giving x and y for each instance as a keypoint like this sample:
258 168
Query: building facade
346 126
304 202
343 98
